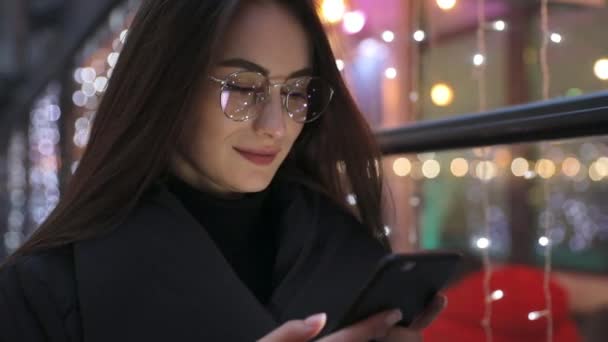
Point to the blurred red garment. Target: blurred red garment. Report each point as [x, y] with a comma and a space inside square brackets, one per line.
[522, 294]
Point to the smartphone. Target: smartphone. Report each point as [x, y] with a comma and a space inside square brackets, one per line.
[405, 281]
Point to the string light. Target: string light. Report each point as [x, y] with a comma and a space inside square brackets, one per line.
[44, 137]
[16, 187]
[390, 73]
[556, 38]
[519, 167]
[499, 25]
[446, 5]
[571, 167]
[486, 170]
[530, 175]
[600, 68]
[123, 35]
[482, 243]
[332, 11]
[602, 165]
[549, 168]
[497, 295]
[388, 36]
[543, 241]
[442, 95]
[88, 75]
[545, 168]
[340, 64]
[431, 169]
[596, 172]
[353, 22]
[100, 84]
[113, 59]
[459, 167]
[478, 59]
[402, 167]
[419, 35]
[533, 316]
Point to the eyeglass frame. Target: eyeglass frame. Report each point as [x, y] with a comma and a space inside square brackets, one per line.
[224, 82]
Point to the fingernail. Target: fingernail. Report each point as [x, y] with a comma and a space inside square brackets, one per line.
[394, 317]
[316, 320]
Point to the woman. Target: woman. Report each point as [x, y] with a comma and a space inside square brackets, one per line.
[208, 204]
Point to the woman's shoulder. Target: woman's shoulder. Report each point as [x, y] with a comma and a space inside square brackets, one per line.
[43, 277]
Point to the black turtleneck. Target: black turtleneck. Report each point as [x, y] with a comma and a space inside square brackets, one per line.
[242, 228]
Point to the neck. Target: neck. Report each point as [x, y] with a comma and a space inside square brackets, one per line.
[188, 173]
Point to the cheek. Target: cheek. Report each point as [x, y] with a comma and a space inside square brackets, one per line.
[294, 130]
[206, 131]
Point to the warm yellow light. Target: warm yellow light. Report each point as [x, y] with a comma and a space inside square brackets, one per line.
[459, 167]
[601, 69]
[545, 168]
[402, 167]
[486, 170]
[442, 94]
[599, 169]
[519, 167]
[602, 166]
[431, 169]
[595, 173]
[332, 11]
[446, 5]
[571, 167]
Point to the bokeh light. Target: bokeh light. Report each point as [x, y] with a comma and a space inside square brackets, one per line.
[402, 167]
[459, 167]
[431, 169]
[520, 167]
[388, 36]
[442, 95]
[353, 22]
[446, 5]
[600, 69]
[332, 11]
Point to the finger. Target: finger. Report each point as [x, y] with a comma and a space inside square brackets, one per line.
[374, 327]
[400, 334]
[428, 316]
[297, 330]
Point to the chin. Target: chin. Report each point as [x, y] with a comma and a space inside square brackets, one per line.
[252, 183]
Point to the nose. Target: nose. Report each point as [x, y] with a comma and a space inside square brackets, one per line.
[271, 121]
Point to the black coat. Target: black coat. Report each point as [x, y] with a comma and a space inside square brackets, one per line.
[159, 277]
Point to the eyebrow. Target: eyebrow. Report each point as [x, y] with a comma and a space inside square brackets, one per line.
[251, 66]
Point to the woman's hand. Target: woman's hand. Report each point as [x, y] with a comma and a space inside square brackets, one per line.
[373, 328]
[412, 333]
[379, 327]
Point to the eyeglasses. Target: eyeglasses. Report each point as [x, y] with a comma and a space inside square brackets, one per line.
[243, 94]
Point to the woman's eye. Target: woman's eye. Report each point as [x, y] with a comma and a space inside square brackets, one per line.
[242, 88]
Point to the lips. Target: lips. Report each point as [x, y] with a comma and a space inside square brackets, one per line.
[258, 157]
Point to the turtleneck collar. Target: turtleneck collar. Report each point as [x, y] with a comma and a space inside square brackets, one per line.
[243, 228]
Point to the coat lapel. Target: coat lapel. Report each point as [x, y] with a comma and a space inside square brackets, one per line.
[160, 277]
[335, 258]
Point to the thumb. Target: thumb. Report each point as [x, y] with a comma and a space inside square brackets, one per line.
[297, 330]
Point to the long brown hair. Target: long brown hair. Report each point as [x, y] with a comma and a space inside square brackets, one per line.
[170, 46]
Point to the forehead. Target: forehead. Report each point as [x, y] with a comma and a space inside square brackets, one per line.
[267, 34]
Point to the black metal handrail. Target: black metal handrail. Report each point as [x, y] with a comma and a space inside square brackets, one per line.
[565, 118]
